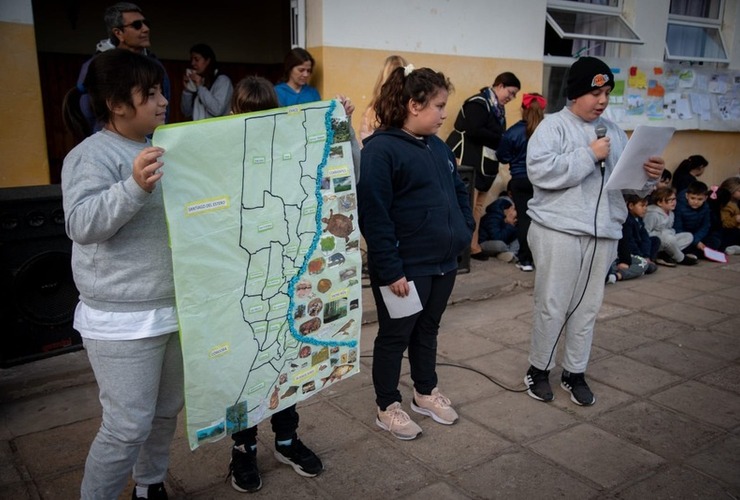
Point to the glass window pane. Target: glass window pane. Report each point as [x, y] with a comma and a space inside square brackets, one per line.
[592, 26]
[705, 9]
[608, 3]
[694, 42]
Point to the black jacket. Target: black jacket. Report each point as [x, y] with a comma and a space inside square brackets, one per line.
[480, 122]
[414, 210]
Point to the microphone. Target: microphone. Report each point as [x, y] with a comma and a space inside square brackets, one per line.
[600, 130]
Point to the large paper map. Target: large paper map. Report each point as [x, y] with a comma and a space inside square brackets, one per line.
[262, 217]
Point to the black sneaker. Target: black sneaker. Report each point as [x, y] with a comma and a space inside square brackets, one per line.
[575, 384]
[689, 259]
[154, 492]
[538, 384]
[297, 455]
[245, 476]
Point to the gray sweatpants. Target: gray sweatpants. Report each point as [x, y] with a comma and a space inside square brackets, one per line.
[563, 262]
[672, 243]
[141, 391]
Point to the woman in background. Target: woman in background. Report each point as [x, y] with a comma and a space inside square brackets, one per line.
[369, 118]
[478, 129]
[207, 94]
[297, 70]
[513, 150]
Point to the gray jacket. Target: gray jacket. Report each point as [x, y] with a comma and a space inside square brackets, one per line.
[121, 259]
[567, 180]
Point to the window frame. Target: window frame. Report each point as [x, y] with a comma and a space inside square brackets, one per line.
[614, 12]
[707, 23]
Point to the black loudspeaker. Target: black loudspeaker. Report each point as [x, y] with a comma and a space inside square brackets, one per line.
[37, 293]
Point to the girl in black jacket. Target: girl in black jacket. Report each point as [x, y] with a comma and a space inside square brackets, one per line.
[415, 216]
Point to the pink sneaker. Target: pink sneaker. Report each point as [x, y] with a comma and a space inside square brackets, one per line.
[436, 406]
[397, 422]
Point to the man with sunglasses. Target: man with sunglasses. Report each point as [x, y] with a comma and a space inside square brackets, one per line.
[127, 29]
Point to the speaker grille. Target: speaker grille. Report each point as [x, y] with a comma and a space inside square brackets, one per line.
[45, 291]
[37, 292]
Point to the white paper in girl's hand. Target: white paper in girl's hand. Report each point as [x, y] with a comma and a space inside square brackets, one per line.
[401, 307]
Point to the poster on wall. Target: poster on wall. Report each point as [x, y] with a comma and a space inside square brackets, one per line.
[685, 97]
[262, 214]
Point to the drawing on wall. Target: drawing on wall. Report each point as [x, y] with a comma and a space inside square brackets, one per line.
[261, 250]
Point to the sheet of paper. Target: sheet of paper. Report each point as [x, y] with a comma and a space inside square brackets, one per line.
[489, 153]
[646, 141]
[401, 307]
[715, 255]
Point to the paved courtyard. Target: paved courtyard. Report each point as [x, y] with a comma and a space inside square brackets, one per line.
[665, 369]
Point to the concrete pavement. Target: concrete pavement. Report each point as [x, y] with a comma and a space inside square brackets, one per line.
[665, 369]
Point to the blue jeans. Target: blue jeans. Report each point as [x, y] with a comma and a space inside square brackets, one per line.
[418, 333]
[141, 391]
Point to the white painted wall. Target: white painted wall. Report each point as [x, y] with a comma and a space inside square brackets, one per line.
[16, 11]
[649, 20]
[512, 29]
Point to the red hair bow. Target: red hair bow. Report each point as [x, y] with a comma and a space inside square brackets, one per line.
[528, 98]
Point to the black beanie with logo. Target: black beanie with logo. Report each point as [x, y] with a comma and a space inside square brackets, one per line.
[587, 74]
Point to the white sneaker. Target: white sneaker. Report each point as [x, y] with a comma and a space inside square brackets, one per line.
[397, 422]
[733, 250]
[527, 267]
[434, 405]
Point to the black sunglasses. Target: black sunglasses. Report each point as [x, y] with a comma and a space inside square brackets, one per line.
[137, 25]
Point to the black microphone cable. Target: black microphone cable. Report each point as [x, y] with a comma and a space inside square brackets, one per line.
[599, 129]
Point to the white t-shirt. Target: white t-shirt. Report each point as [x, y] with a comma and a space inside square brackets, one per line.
[106, 325]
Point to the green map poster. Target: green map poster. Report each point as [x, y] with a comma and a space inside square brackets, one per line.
[262, 215]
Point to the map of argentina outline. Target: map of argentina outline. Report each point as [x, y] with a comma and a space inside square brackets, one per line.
[268, 197]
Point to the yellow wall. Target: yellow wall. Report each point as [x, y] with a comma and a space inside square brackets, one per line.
[23, 156]
[353, 72]
[721, 149]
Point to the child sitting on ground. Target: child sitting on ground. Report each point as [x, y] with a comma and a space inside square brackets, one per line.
[497, 234]
[692, 216]
[636, 250]
[728, 196]
[659, 222]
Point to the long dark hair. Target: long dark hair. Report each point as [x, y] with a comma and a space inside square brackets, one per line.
[206, 52]
[420, 86]
[689, 164]
[111, 79]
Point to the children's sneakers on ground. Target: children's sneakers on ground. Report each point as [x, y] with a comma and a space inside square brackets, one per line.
[689, 259]
[665, 260]
[732, 250]
[434, 405]
[575, 384]
[397, 422]
[154, 492]
[538, 384]
[245, 476]
[297, 455]
[525, 266]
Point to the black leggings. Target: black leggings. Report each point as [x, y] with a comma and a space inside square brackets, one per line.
[418, 333]
[284, 424]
